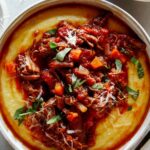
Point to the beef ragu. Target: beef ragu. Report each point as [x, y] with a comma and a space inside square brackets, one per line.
[72, 79]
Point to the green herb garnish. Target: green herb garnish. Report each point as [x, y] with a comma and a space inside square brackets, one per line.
[134, 60]
[139, 68]
[105, 78]
[53, 45]
[124, 51]
[17, 115]
[134, 94]
[73, 78]
[54, 119]
[97, 86]
[37, 103]
[118, 65]
[22, 112]
[52, 32]
[61, 55]
[129, 108]
[76, 82]
[70, 88]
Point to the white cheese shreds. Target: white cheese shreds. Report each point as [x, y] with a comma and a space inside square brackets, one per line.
[65, 139]
[62, 125]
[73, 131]
[104, 98]
[50, 137]
[112, 86]
[71, 37]
[40, 93]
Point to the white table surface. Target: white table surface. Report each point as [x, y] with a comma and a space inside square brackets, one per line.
[140, 10]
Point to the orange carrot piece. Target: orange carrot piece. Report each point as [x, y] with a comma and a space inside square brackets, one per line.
[72, 116]
[59, 89]
[10, 68]
[75, 54]
[96, 63]
[115, 54]
[69, 138]
[81, 107]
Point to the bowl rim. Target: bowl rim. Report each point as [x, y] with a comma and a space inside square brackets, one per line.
[5, 16]
[32, 9]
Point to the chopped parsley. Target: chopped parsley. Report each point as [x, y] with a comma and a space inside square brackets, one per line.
[129, 108]
[70, 88]
[60, 56]
[97, 86]
[22, 112]
[139, 68]
[134, 60]
[17, 115]
[53, 45]
[134, 94]
[54, 119]
[52, 32]
[76, 82]
[124, 51]
[73, 78]
[118, 65]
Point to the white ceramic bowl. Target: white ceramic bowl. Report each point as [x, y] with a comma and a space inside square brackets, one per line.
[120, 13]
[4, 15]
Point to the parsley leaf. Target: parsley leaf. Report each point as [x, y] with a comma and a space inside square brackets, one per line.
[52, 32]
[76, 82]
[60, 56]
[97, 86]
[73, 78]
[53, 45]
[54, 119]
[134, 60]
[134, 94]
[118, 65]
[124, 51]
[29, 111]
[17, 115]
[129, 108]
[139, 68]
[21, 112]
[70, 88]
[37, 103]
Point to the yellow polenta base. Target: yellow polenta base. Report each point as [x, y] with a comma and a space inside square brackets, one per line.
[116, 127]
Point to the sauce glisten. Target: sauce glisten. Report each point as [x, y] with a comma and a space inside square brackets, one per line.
[77, 81]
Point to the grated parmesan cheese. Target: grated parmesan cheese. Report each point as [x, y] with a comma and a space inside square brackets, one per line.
[73, 131]
[71, 37]
[105, 97]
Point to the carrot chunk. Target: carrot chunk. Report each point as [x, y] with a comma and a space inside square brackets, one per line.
[96, 63]
[72, 116]
[59, 89]
[10, 68]
[115, 54]
[75, 54]
[81, 107]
